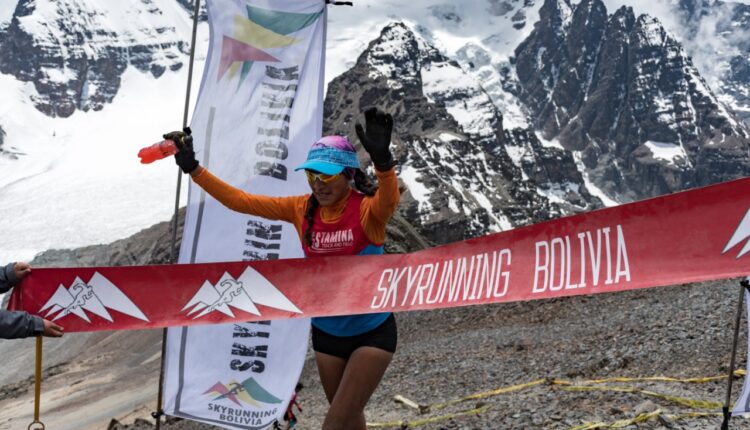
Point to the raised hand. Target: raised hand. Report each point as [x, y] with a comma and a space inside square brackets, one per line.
[376, 138]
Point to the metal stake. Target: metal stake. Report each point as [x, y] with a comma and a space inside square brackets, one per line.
[730, 378]
[172, 257]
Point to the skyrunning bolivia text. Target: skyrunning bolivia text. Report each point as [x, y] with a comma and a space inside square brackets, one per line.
[588, 258]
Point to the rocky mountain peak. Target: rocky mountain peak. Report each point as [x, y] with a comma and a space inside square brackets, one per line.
[590, 21]
[649, 32]
[623, 95]
[75, 53]
[398, 54]
[465, 174]
[715, 34]
[555, 14]
[622, 20]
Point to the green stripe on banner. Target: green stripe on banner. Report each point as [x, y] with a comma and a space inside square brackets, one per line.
[246, 66]
[281, 22]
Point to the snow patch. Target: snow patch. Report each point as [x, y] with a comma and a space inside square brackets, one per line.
[58, 75]
[7, 7]
[448, 137]
[516, 154]
[672, 153]
[554, 143]
[557, 193]
[476, 114]
[417, 189]
[77, 182]
[501, 223]
[593, 189]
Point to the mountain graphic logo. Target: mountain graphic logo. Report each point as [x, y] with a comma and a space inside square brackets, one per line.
[260, 30]
[742, 233]
[249, 392]
[243, 293]
[95, 296]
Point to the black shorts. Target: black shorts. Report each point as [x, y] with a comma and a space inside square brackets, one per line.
[384, 336]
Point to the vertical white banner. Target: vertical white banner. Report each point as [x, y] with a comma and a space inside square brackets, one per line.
[259, 109]
[742, 406]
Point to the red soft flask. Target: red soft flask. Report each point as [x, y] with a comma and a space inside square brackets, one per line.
[157, 151]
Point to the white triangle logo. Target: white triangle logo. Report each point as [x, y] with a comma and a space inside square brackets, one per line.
[742, 233]
[243, 293]
[95, 296]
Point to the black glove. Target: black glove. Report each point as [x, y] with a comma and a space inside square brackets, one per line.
[377, 138]
[185, 157]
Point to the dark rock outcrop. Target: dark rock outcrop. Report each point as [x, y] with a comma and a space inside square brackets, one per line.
[621, 92]
[74, 56]
[189, 6]
[449, 141]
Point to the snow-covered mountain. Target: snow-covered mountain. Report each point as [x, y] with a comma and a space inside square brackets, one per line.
[622, 93]
[621, 108]
[85, 84]
[75, 52]
[717, 36]
[466, 175]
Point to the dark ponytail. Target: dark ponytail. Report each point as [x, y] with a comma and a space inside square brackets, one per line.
[312, 204]
[363, 184]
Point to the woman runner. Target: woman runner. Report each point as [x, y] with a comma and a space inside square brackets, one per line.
[351, 352]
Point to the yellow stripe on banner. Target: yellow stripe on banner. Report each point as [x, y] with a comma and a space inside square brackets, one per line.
[233, 69]
[417, 423]
[259, 37]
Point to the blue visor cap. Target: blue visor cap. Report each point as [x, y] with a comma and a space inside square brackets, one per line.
[330, 161]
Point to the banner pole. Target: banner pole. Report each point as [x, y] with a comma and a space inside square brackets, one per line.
[37, 385]
[745, 285]
[172, 257]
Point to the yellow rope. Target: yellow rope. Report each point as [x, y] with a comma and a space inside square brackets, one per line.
[581, 386]
[485, 394]
[417, 423]
[738, 373]
[619, 423]
[642, 418]
[691, 403]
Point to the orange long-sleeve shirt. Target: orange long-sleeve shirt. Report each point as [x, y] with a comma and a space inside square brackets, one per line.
[374, 212]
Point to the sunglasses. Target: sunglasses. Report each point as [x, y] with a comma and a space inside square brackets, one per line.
[322, 177]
